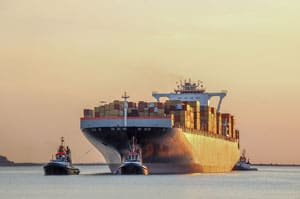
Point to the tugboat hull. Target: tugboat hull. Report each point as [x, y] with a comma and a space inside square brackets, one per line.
[59, 169]
[132, 169]
[243, 167]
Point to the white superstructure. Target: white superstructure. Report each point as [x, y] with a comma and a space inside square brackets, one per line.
[190, 91]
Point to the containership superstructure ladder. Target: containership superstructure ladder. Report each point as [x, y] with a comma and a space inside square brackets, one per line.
[190, 91]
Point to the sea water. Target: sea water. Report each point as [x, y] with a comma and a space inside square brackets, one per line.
[94, 182]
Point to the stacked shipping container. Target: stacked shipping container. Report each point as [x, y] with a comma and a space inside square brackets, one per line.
[88, 113]
[134, 110]
[226, 124]
[219, 124]
[184, 115]
[208, 119]
[196, 112]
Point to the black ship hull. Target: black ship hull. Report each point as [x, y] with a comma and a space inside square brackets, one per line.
[166, 150]
[53, 168]
[132, 169]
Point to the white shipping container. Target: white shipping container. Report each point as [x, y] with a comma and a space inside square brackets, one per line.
[178, 106]
[151, 104]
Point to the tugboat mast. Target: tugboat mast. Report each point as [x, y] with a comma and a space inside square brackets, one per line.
[62, 139]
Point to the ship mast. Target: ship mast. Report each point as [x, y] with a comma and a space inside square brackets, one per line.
[125, 97]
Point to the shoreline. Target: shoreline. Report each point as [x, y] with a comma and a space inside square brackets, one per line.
[105, 164]
[41, 164]
[275, 164]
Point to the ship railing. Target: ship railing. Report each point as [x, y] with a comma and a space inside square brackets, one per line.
[121, 117]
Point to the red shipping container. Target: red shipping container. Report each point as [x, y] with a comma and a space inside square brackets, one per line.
[177, 118]
[225, 115]
[142, 104]
[87, 112]
[131, 105]
[172, 108]
[117, 106]
[160, 105]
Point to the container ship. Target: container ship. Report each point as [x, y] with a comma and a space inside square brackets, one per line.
[183, 134]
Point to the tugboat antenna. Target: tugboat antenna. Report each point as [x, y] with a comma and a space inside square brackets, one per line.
[62, 140]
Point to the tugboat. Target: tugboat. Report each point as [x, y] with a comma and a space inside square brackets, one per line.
[243, 164]
[62, 165]
[133, 162]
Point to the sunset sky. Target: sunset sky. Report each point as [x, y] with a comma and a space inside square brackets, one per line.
[58, 57]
